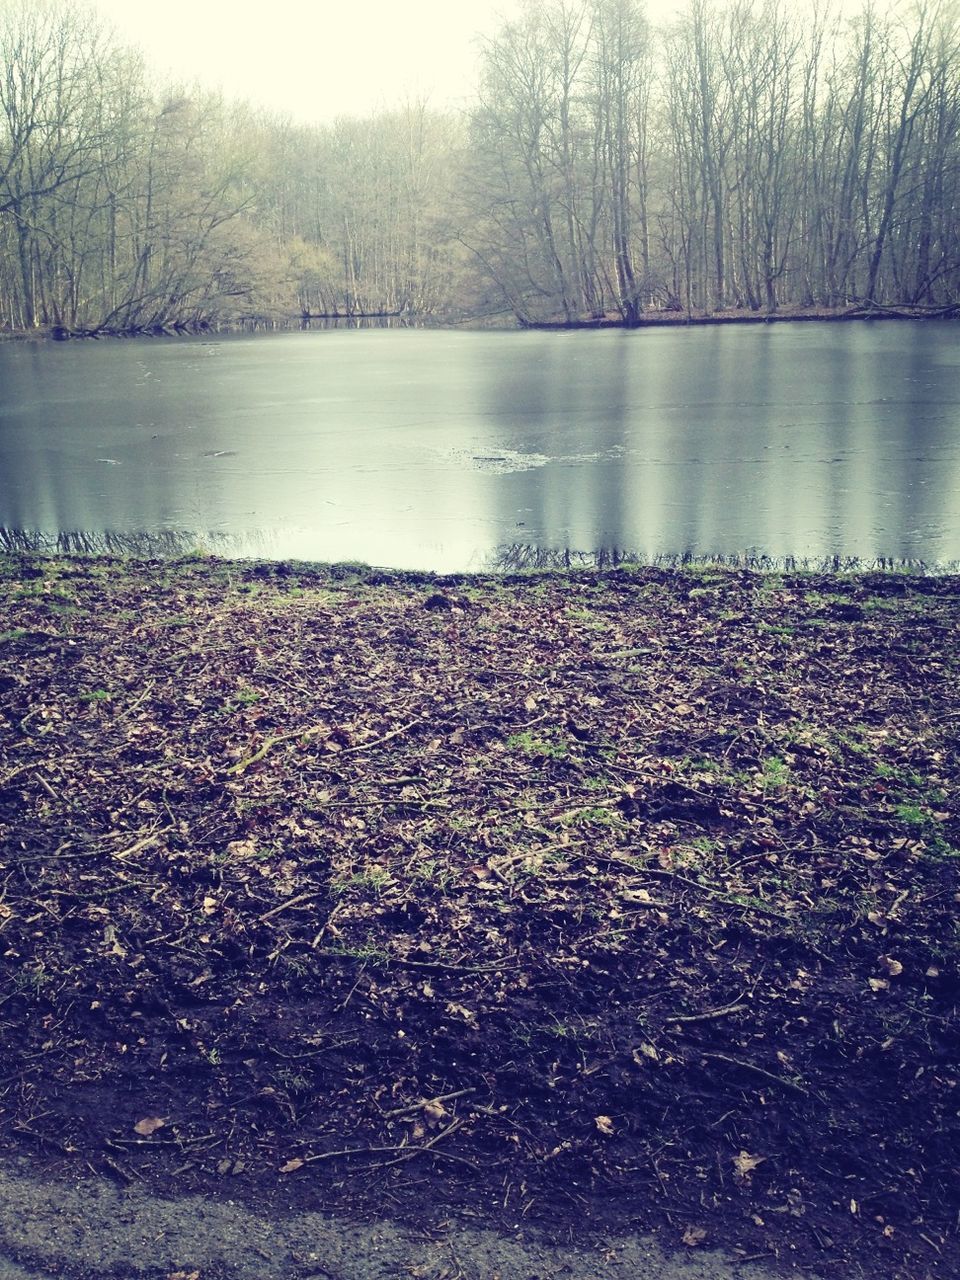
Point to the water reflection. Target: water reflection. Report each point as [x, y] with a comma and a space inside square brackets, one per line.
[813, 445]
[517, 557]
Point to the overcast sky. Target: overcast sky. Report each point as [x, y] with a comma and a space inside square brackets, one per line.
[316, 59]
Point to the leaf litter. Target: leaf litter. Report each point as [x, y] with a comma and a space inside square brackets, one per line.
[569, 892]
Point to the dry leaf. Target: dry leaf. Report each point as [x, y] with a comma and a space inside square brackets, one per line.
[636, 895]
[878, 984]
[744, 1164]
[694, 1236]
[209, 906]
[433, 1113]
[184, 1275]
[459, 1011]
[148, 1126]
[291, 1166]
[893, 967]
[645, 1051]
[242, 848]
[605, 1125]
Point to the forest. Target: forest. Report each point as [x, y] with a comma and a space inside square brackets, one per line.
[749, 156]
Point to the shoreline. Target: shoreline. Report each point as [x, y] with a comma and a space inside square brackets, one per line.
[521, 561]
[649, 320]
[630, 892]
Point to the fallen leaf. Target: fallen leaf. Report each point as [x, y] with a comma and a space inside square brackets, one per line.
[459, 1011]
[645, 1051]
[605, 1125]
[242, 848]
[291, 1166]
[209, 906]
[434, 1112]
[879, 984]
[893, 967]
[744, 1164]
[635, 895]
[694, 1236]
[148, 1126]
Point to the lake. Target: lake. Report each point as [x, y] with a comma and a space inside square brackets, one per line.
[825, 444]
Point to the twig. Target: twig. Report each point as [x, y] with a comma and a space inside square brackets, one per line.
[270, 743]
[285, 906]
[711, 1013]
[343, 1003]
[150, 685]
[347, 1151]
[143, 843]
[123, 1174]
[425, 1102]
[20, 769]
[38, 777]
[436, 965]
[376, 742]
[725, 895]
[759, 1071]
[412, 1152]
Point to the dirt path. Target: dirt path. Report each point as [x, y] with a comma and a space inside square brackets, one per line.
[91, 1229]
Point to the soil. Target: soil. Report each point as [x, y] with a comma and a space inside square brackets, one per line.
[602, 901]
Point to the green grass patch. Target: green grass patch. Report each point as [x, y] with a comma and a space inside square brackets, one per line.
[537, 747]
[95, 695]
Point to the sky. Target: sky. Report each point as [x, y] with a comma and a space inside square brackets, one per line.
[313, 59]
[316, 59]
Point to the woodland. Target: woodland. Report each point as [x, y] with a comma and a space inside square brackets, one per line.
[751, 157]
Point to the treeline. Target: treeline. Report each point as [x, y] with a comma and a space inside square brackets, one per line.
[747, 156]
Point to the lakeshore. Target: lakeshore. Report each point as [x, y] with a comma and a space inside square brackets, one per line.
[627, 895]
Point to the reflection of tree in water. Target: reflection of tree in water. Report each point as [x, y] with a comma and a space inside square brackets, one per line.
[508, 558]
[511, 557]
[79, 542]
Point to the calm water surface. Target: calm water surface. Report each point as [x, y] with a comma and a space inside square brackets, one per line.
[459, 450]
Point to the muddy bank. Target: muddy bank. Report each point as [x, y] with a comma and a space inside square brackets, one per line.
[625, 900]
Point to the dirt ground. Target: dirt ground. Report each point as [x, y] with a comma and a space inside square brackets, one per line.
[591, 903]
